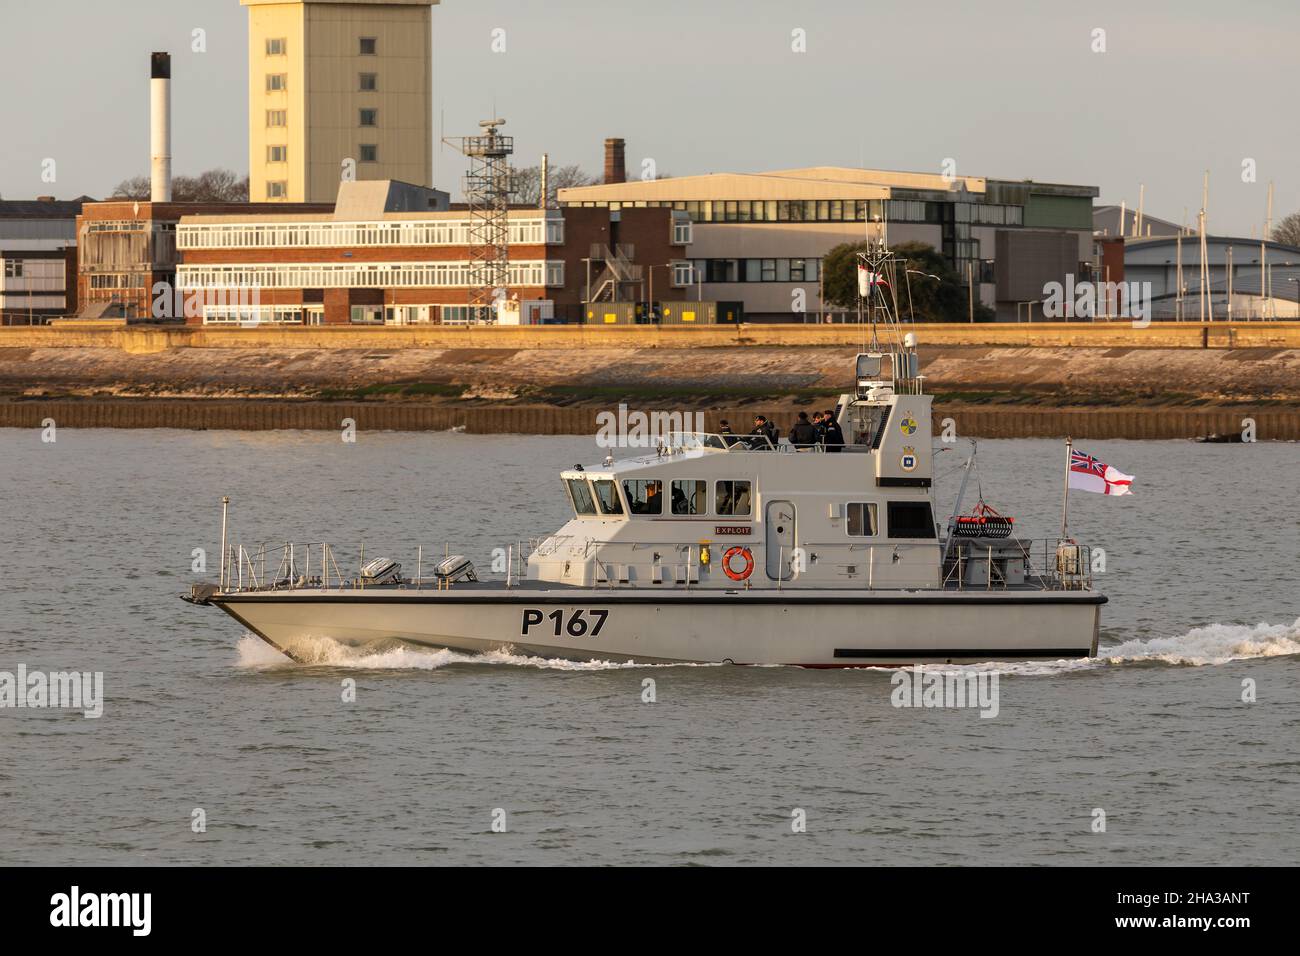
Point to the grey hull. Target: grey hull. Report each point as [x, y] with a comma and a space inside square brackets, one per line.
[809, 628]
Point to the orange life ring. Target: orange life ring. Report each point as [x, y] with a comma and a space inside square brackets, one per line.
[749, 563]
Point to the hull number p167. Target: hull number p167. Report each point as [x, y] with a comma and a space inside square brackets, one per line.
[578, 623]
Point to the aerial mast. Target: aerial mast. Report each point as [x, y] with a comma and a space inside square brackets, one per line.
[487, 186]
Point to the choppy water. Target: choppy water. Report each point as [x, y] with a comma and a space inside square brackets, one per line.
[97, 532]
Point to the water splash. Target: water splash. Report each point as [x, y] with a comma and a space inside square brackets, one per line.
[256, 654]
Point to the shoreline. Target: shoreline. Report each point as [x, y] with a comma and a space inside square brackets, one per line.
[977, 421]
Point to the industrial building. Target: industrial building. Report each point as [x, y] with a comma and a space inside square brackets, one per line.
[1247, 278]
[759, 238]
[38, 258]
[337, 89]
[383, 255]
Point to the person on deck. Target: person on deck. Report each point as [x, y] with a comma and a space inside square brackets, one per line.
[833, 435]
[803, 435]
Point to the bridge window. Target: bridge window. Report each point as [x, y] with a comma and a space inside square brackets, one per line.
[910, 519]
[644, 497]
[861, 519]
[733, 498]
[690, 497]
[607, 495]
[583, 502]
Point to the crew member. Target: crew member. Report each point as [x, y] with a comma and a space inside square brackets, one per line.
[803, 435]
[833, 434]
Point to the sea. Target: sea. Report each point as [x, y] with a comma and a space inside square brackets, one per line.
[1179, 744]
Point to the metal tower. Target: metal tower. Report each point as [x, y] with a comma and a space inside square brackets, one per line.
[487, 186]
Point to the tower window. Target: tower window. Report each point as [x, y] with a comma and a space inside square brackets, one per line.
[369, 82]
[369, 118]
[367, 46]
[277, 154]
[275, 46]
[369, 153]
[277, 82]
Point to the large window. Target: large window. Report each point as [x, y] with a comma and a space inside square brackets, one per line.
[690, 497]
[583, 502]
[644, 497]
[861, 519]
[681, 232]
[733, 498]
[607, 495]
[910, 519]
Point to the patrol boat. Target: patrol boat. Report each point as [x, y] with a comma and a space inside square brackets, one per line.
[722, 548]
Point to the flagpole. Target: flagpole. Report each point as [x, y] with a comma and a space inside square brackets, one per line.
[1065, 497]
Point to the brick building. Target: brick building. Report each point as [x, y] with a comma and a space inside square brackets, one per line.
[126, 247]
[369, 261]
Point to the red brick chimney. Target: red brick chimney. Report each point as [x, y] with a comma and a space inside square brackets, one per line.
[615, 166]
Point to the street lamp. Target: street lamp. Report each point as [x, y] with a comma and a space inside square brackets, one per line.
[650, 305]
[908, 281]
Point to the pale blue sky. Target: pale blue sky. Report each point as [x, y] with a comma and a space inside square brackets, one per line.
[1009, 88]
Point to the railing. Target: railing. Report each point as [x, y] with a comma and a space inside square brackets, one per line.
[245, 568]
[679, 442]
[1064, 565]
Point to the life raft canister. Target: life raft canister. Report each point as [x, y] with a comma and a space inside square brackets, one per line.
[744, 572]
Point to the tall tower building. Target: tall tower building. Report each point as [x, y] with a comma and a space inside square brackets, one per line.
[337, 89]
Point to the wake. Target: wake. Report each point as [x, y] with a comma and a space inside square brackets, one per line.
[1211, 645]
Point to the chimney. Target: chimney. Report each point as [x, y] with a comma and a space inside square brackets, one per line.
[544, 194]
[615, 166]
[160, 127]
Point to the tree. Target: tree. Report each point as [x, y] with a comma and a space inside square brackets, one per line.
[215, 185]
[527, 183]
[941, 300]
[1287, 231]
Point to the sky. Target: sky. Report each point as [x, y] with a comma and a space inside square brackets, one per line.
[1009, 89]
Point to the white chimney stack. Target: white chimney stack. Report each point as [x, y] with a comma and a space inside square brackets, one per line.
[160, 127]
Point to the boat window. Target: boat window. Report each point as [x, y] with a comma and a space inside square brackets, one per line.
[861, 519]
[579, 491]
[644, 497]
[690, 497]
[607, 495]
[910, 519]
[733, 497]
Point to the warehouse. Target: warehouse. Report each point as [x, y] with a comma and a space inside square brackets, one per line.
[758, 238]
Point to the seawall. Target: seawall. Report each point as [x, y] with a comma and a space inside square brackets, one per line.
[143, 339]
[1271, 424]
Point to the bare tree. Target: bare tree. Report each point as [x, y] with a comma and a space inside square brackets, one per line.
[528, 183]
[215, 185]
[137, 187]
[1287, 231]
